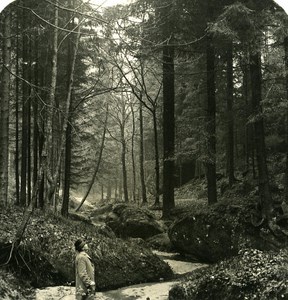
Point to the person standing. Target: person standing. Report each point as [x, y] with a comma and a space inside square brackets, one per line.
[84, 269]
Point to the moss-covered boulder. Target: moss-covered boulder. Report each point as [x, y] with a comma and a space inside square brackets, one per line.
[252, 274]
[205, 236]
[130, 221]
[216, 232]
[100, 213]
[160, 242]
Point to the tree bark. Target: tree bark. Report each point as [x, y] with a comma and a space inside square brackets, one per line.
[124, 168]
[4, 142]
[30, 75]
[67, 170]
[249, 129]
[17, 91]
[259, 136]
[211, 122]
[247, 97]
[41, 196]
[141, 156]
[68, 140]
[35, 119]
[25, 121]
[133, 155]
[157, 163]
[230, 114]
[50, 170]
[168, 130]
[286, 83]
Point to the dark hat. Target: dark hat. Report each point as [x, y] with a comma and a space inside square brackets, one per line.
[79, 244]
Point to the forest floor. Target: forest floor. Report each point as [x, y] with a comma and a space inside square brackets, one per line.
[14, 285]
[191, 195]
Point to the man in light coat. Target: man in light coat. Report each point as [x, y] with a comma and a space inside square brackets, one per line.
[84, 268]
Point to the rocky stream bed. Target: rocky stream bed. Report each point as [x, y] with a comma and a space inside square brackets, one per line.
[153, 290]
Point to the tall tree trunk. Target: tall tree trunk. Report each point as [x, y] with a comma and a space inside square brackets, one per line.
[124, 168]
[168, 112]
[157, 163]
[120, 187]
[141, 156]
[30, 75]
[286, 82]
[230, 114]
[245, 92]
[68, 140]
[259, 136]
[25, 115]
[35, 119]
[133, 156]
[17, 91]
[49, 172]
[249, 130]
[67, 169]
[41, 196]
[4, 137]
[211, 122]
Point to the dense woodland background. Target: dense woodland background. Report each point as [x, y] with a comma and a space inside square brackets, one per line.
[129, 102]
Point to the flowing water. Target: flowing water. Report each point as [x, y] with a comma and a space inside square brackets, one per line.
[146, 291]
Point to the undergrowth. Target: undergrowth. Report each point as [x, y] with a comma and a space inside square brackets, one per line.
[252, 274]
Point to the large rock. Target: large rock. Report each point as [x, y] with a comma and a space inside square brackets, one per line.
[205, 239]
[129, 221]
[99, 214]
[220, 231]
[160, 242]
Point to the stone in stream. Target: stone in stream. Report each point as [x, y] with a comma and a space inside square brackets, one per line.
[135, 222]
[220, 231]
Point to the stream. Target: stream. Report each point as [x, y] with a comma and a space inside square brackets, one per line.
[145, 291]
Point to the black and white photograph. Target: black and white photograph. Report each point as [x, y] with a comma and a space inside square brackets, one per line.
[144, 150]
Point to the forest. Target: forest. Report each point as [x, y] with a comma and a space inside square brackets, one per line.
[176, 108]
